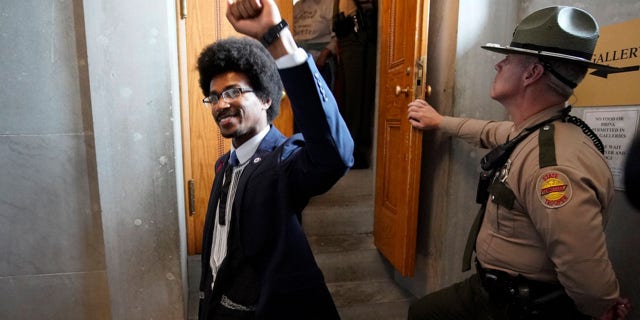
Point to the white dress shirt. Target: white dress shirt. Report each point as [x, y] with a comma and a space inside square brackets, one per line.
[221, 232]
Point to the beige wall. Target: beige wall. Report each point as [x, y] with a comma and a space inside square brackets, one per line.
[89, 216]
[450, 167]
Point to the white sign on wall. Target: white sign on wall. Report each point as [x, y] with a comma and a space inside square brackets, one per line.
[616, 127]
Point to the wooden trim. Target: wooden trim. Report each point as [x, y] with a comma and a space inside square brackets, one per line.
[441, 76]
[184, 121]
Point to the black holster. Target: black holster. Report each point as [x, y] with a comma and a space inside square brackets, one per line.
[528, 299]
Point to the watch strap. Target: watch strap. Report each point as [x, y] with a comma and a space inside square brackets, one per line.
[274, 33]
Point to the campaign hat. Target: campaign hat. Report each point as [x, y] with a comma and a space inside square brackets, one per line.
[562, 33]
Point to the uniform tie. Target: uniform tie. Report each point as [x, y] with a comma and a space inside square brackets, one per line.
[224, 192]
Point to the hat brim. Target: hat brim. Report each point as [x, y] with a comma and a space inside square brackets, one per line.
[541, 53]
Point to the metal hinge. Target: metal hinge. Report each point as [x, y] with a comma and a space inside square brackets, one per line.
[183, 9]
[192, 197]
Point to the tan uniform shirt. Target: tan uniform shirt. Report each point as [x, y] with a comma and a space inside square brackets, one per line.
[555, 229]
[348, 7]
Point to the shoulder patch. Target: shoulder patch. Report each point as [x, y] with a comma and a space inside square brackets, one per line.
[554, 189]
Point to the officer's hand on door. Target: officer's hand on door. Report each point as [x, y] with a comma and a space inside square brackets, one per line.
[423, 116]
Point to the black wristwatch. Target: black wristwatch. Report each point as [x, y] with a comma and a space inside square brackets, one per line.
[273, 33]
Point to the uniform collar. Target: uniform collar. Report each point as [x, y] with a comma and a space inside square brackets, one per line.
[539, 117]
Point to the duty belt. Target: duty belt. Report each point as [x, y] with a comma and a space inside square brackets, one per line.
[518, 289]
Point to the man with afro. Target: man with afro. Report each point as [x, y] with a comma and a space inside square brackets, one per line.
[256, 261]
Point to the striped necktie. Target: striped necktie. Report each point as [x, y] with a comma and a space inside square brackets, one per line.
[224, 192]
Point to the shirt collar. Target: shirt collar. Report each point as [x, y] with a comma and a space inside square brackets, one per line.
[539, 117]
[247, 149]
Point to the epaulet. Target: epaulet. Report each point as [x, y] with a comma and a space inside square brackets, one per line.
[547, 146]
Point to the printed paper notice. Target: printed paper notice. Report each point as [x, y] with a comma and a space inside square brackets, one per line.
[616, 128]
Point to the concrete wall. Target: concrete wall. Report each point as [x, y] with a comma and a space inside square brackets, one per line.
[89, 219]
[451, 167]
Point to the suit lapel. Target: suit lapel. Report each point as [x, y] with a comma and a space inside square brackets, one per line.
[217, 181]
[270, 142]
[210, 220]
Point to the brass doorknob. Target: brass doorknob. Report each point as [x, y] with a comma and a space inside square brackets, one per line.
[427, 92]
[400, 90]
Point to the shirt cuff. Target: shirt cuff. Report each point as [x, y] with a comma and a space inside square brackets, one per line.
[293, 59]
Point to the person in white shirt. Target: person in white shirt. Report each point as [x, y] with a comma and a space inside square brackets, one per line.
[312, 31]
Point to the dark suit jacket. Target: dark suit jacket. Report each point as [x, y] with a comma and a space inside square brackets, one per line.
[273, 190]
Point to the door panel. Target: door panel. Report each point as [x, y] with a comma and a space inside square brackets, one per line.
[399, 146]
[205, 23]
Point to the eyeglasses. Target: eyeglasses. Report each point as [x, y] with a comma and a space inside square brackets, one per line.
[227, 95]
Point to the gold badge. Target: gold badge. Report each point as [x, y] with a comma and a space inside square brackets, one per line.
[554, 189]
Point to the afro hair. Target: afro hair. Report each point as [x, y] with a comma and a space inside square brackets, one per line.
[249, 57]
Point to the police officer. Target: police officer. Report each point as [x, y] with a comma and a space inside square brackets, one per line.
[546, 189]
[356, 30]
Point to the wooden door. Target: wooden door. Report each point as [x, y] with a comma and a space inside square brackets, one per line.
[200, 23]
[402, 34]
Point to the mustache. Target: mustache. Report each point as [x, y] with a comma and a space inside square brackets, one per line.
[227, 112]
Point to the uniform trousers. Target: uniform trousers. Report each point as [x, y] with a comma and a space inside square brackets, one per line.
[469, 300]
[358, 57]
